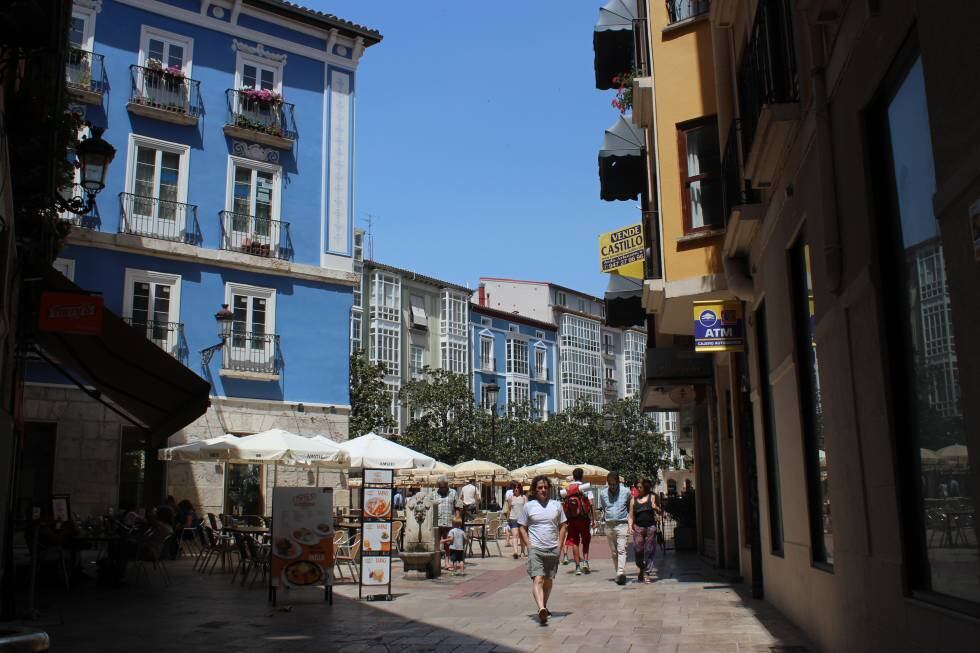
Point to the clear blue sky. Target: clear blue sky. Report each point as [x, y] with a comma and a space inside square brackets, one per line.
[478, 128]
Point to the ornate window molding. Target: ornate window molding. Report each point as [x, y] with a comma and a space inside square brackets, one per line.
[255, 151]
[258, 51]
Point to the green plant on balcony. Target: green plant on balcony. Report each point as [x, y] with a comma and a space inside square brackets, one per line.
[255, 125]
[624, 91]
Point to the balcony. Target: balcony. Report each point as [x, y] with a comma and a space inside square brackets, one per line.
[162, 219]
[85, 75]
[740, 202]
[269, 122]
[679, 11]
[609, 387]
[163, 95]
[91, 220]
[257, 236]
[168, 336]
[768, 88]
[254, 356]
[613, 42]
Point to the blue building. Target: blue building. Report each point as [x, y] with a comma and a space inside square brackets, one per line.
[232, 185]
[518, 355]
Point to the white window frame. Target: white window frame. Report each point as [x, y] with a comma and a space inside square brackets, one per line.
[485, 398]
[416, 369]
[242, 58]
[485, 364]
[420, 317]
[378, 308]
[539, 367]
[147, 32]
[133, 276]
[257, 166]
[183, 151]
[561, 298]
[65, 266]
[520, 366]
[541, 406]
[268, 294]
[378, 333]
[88, 15]
[356, 326]
[518, 392]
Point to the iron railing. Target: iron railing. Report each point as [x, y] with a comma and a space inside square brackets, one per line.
[252, 352]
[767, 73]
[159, 218]
[275, 118]
[735, 190]
[250, 234]
[678, 10]
[91, 220]
[85, 71]
[153, 87]
[169, 336]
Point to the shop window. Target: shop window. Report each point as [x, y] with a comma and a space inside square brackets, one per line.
[243, 490]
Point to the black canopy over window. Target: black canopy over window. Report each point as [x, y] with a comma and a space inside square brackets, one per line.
[613, 42]
[622, 165]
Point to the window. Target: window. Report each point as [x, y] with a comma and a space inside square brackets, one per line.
[634, 350]
[540, 363]
[386, 298]
[453, 326]
[518, 395]
[539, 335]
[541, 406]
[243, 490]
[258, 73]
[419, 317]
[581, 305]
[561, 299]
[151, 303]
[253, 204]
[156, 188]
[453, 356]
[81, 69]
[513, 328]
[932, 438]
[416, 361]
[485, 321]
[610, 375]
[65, 266]
[355, 331]
[166, 48]
[700, 174]
[517, 357]
[580, 362]
[486, 353]
[386, 347]
[769, 434]
[394, 405]
[453, 319]
[485, 402]
[608, 348]
[252, 346]
[811, 407]
[580, 333]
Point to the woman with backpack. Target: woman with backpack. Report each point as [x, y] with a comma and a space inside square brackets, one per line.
[643, 526]
[581, 519]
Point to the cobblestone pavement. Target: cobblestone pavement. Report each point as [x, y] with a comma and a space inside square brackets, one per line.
[688, 609]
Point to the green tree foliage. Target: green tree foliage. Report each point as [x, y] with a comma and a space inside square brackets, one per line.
[370, 404]
[445, 422]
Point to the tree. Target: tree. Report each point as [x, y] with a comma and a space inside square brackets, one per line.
[630, 443]
[370, 402]
[445, 422]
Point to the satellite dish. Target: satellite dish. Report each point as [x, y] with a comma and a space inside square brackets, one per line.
[682, 395]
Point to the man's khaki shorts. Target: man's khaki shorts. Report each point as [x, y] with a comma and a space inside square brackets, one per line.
[542, 562]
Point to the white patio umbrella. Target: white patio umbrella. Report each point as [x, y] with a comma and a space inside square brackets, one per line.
[477, 469]
[190, 451]
[371, 451]
[551, 468]
[956, 455]
[276, 446]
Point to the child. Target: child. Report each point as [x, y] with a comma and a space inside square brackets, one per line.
[456, 539]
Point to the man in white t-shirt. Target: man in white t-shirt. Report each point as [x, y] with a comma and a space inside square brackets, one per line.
[470, 496]
[542, 527]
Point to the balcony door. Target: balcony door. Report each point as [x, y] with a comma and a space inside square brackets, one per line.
[252, 342]
[165, 61]
[157, 188]
[152, 305]
[78, 68]
[253, 226]
[260, 75]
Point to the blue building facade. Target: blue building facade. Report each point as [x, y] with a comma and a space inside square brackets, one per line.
[232, 185]
[518, 355]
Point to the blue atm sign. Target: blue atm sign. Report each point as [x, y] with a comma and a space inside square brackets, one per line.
[718, 326]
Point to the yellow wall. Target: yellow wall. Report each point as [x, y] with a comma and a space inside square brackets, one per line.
[684, 86]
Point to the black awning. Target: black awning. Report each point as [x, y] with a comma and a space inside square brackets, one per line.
[624, 302]
[622, 164]
[668, 367]
[612, 41]
[147, 383]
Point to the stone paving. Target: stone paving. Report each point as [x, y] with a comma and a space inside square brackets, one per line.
[688, 609]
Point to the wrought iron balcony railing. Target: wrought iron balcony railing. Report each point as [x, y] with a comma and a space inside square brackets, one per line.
[736, 191]
[250, 234]
[270, 117]
[85, 72]
[91, 220]
[169, 336]
[167, 91]
[767, 73]
[159, 218]
[678, 10]
[252, 352]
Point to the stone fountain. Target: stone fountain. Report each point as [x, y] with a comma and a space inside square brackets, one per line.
[421, 548]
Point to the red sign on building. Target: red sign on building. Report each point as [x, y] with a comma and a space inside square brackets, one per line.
[65, 312]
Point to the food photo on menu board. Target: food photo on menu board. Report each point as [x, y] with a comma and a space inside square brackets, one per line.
[302, 537]
[375, 570]
[378, 476]
[377, 503]
[377, 537]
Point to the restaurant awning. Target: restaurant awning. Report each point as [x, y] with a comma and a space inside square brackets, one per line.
[612, 41]
[624, 302]
[121, 363]
[622, 165]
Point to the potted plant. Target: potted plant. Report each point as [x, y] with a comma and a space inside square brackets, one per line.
[684, 511]
[260, 97]
[624, 91]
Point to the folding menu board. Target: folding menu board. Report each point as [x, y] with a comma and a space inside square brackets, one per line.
[376, 518]
[302, 540]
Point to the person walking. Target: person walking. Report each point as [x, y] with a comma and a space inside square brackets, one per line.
[643, 526]
[514, 505]
[542, 527]
[578, 511]
[614, 503]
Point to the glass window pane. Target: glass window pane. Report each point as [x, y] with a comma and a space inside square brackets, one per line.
[268, 80]
[242, 200]
[175, 56]
[169, 176]
[948, 497]
[145, 177]
[161, 310]
[76, 32]
[141, 303]
[249, 76]
[239, 325]
[155, 50]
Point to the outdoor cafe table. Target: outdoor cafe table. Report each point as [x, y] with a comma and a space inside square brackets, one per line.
[483, 534]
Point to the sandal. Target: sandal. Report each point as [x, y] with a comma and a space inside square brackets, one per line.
[543, 616]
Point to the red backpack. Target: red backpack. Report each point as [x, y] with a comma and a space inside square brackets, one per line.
[578, 506]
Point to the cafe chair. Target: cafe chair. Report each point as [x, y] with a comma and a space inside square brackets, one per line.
[153, 549]
[493, 535]
[396, 531]
[348, 560]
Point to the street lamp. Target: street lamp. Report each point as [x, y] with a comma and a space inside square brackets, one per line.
[94, 156]
[225, 319]
[492, 390]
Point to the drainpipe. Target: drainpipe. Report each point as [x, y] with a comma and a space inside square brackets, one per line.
[832, 250]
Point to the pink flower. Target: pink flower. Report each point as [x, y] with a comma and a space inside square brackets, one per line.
[615, 80]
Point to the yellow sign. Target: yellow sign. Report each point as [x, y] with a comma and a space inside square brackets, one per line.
[718, 326]
[622, 251]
